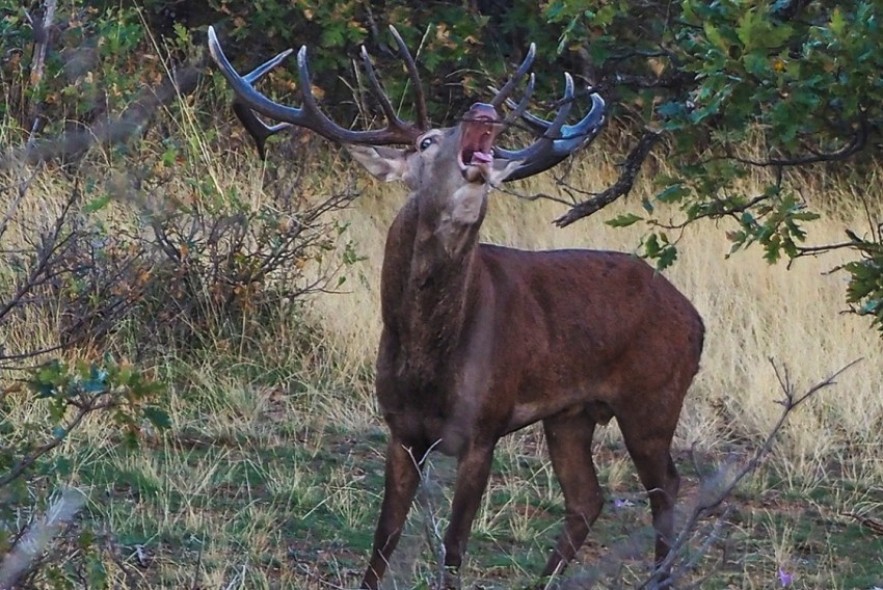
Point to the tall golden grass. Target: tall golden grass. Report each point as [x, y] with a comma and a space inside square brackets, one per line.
[754, 312]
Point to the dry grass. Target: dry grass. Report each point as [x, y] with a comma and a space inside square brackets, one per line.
[274, 483]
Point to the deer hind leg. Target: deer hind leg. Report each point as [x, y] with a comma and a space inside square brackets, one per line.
[569, 438]
[402, 479]
[649, 443]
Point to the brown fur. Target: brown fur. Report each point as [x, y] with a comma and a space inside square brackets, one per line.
[480, 340]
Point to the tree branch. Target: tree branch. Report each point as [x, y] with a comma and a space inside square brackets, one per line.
[623, 185]
[110, 131]
[41, 44]
[53, 442]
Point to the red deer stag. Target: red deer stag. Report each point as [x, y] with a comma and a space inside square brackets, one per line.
[479, 340]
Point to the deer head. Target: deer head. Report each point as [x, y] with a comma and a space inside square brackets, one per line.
[472, 139]
[451, 169]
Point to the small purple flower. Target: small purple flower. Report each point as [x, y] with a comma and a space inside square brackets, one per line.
[786, 578]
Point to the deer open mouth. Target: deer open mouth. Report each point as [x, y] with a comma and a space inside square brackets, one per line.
[479, 129]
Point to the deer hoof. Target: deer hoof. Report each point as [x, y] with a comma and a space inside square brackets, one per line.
[450, 578]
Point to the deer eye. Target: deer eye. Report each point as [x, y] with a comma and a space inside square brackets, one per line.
[425, 143]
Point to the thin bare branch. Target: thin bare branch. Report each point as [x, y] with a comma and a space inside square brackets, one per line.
[41, 45]
[715, 492]
[23, 185]
[60, 434]
[33, 544]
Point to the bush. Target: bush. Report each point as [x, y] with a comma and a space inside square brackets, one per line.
[119, 245]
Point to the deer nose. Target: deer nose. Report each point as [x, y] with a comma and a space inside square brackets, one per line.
[482, 111]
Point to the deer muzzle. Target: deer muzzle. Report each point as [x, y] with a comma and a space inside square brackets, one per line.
[478, 130]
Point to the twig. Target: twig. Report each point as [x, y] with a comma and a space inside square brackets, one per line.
[534, 196]
[23, 185]
[873, 524]
[33, 543]
[194, 585]
[84, 408]
[709, 498]
[433, 532]
[51, 243]
[238, 580]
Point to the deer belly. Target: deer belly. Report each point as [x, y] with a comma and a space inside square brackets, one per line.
[579, 400]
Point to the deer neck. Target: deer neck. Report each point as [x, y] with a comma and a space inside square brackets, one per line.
[431, 278]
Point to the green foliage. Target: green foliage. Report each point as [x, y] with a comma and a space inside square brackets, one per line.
[96, 63]
[735, 86]
[106, 51]
[866, 285]
[658, 247]
[62, 395]
[624, 220]
[89, 386]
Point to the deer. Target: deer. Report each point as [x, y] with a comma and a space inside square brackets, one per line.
[480, 340]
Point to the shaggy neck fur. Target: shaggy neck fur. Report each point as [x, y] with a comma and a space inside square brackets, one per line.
[428, 272]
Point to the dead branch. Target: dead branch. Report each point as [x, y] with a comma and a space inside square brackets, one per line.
[41, 45]
[721, 486]
[623, 185]
[23, 555]
[114, 130]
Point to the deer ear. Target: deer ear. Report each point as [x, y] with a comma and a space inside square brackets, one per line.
[501, 170]
[385, 163]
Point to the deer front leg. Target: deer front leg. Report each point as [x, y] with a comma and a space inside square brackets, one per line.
[402, 477]
[472, 474]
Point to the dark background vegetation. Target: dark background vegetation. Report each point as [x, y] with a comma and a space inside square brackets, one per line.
[716, 89]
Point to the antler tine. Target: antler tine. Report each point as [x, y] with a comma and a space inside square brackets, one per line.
[567, 103]
[259, 72]
[536, 124]
[309, 116]
[311, 106]
[504, 92]
[550, 133]
[411, 65]
[258, 130]
[385, 104]
[558, 140]
[520, 110]
[539, 125]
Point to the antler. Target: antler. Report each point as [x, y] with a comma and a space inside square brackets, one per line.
[258, 130]
[557, 140]
[249, 101]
